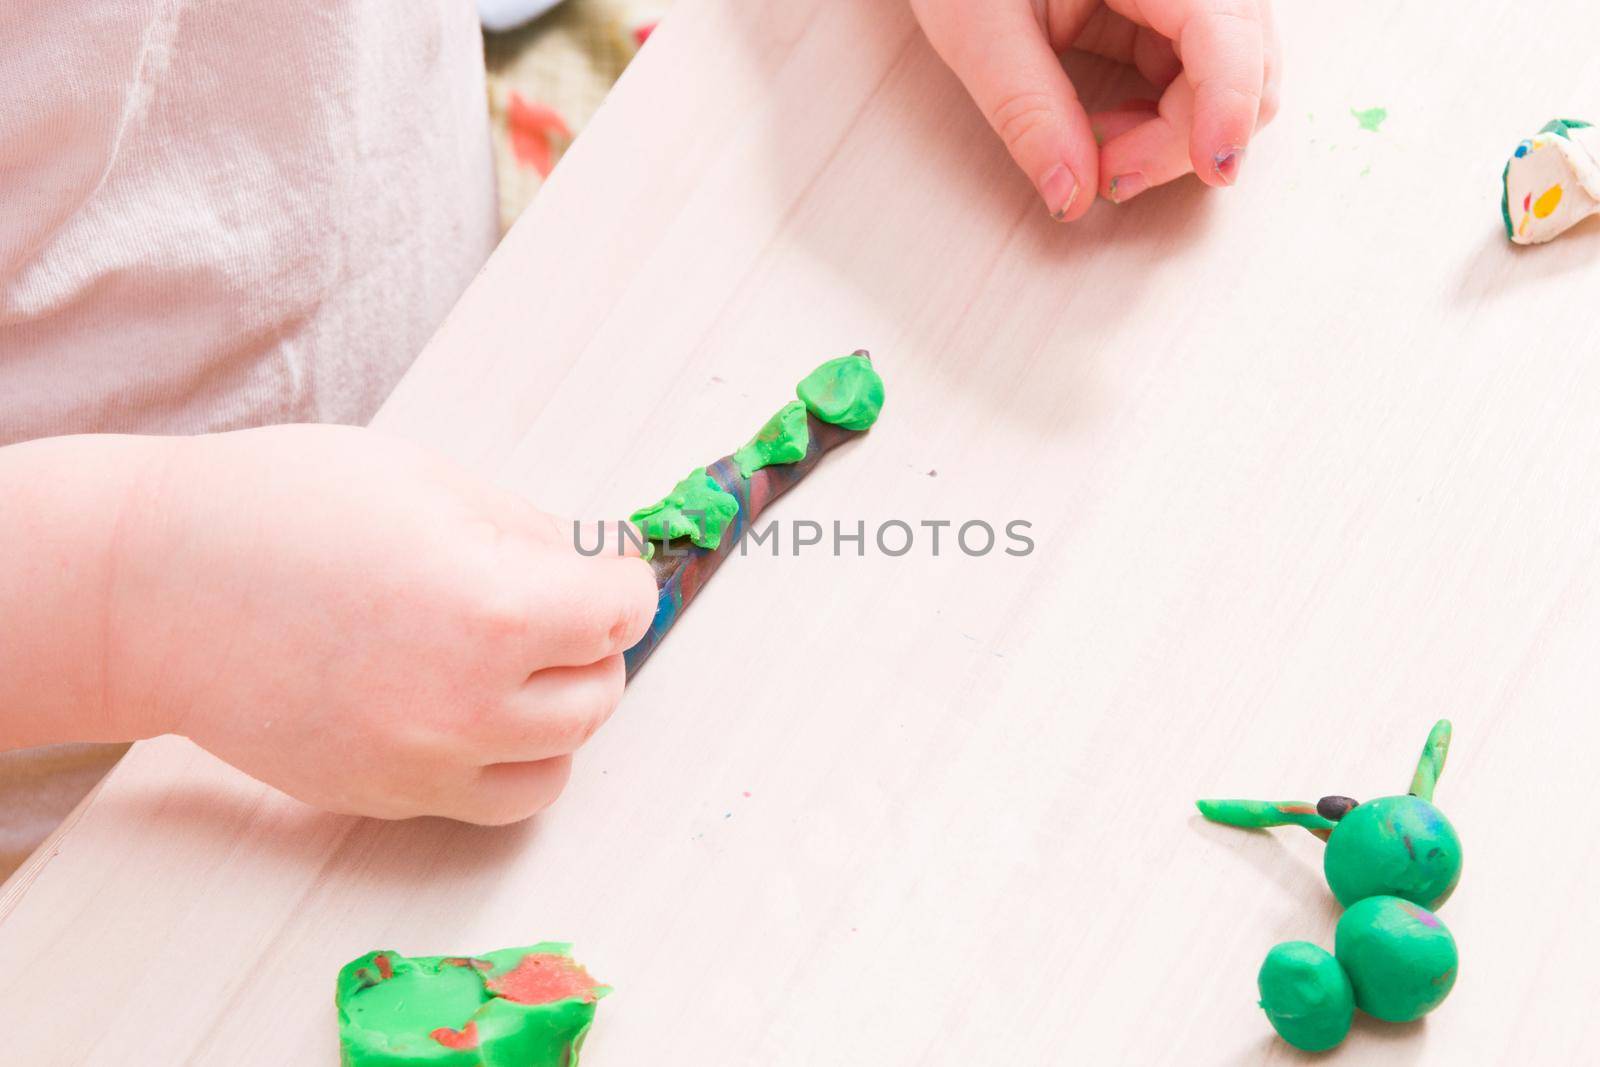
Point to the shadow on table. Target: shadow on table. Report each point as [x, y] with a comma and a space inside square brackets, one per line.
[258, 823]
[1393, 1044]
[1500, 269]
[1265, 851]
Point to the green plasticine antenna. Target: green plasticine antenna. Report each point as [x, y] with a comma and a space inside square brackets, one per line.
[1262, 814]
[1400, 846]
[1431, 763]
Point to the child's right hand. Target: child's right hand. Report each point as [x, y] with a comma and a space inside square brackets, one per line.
[363, 625]
[1214, 64]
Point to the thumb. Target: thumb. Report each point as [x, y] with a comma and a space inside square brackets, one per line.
[1001, 53]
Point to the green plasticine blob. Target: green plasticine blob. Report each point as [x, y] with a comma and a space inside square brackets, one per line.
[1393, 846]
[529, 1006]
[1306, 995]
[784, 439]
[1400, 958]
[1259, 814]
[1505, 201]
[845, 391]
[1559, 127]
[1371, 118]
[697, 508]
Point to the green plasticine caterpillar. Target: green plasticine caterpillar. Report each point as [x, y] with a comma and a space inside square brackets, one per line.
[1390, 862]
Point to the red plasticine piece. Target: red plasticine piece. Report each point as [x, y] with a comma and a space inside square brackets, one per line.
[466, 1037]
[544, 979]
[385, 968]
[466, 961]
[532, 127]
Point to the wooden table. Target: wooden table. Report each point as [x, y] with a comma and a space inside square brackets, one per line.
[1308, 463]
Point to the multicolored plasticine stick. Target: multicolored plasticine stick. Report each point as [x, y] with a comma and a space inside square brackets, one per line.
[1551, 182]
[526, 1006]
[1259, 814]
[696, 526]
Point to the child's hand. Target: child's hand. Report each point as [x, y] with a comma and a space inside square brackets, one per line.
[1216, 62]
[364, 626]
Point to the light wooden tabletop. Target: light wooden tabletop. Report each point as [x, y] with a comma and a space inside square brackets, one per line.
[1308, 463]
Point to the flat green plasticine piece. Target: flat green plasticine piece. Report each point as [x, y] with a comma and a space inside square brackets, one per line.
[530, 1007]
[1259, 814]
[1306, 995]
[1401, 958]
[845, 391]
[697, 508]
[784, 439]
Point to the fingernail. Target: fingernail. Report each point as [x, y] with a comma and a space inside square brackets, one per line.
[1059, 189]
[1226, 163]
[1125, 187]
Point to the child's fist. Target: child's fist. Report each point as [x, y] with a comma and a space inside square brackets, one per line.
[364, 626]
[1213, 62]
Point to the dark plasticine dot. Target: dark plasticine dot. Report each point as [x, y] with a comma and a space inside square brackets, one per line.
[1335, 808]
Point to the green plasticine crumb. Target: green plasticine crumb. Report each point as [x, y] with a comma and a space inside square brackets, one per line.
[783, 439]
[697, 508]
[845, 391]
[1371, 118]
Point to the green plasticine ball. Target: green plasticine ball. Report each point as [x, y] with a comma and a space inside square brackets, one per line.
[1306, 995]
[845, 391]
[1393, 846]
[1400, 958]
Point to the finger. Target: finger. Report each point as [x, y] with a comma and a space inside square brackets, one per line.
[1119, 38]
[605, 538]
[554, 713]
[1151, 153]
[582, 610]
[999, 51]
[1272, 66]
[505, 793]
[1109, 125]
[1154, 58]
[1222, 45]
[1108, 34]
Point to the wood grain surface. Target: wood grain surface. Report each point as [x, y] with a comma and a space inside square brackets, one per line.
[1308, 463]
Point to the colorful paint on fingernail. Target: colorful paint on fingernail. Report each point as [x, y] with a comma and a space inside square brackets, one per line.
[1125, 187]
[1226, 163]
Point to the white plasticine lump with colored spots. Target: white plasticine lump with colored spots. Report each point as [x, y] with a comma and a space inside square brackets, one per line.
[1551, 182]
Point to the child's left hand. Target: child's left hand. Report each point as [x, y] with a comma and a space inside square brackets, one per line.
[1215, 62]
